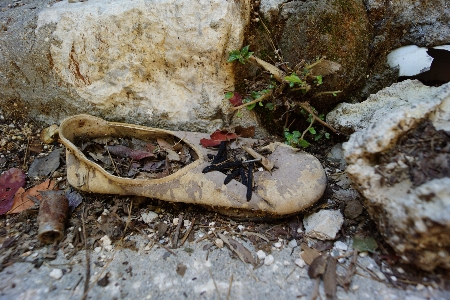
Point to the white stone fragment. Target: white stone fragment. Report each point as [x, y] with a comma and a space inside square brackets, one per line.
[219, 243]
[149, 217]
[286, 263]
[186, 223]
[241, 227]
[324, 224]
[293, 243]
[56, 274]
[105, 241]
[300, 262]
[261, 254]
[411, 60]
[277, 245]
[269, 260]
[338, 245]
[175, 221]
[420, 287]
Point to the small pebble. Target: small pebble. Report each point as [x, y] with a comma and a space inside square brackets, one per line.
[219, 243]
[97, 249]
[277, 245]
[400, 270]
[175, 221]
[355, 287]
[286, 263]
[299, 230]
[261, 255]
[420, 287]
[340, 246]
[241, 227]
[293, 243]
[269, 260]
[186, 223]
[56, 273]
[149, 217]
[300, 262]
[393, 278]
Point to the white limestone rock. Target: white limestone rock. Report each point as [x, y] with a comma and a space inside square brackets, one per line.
[324, 224]
[147, 62]
[415, 221]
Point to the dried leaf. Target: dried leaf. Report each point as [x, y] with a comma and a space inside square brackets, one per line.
[181, 269]
[364, 244]
[242, 252]
[236, 99]
[317, 267]
[329, 278]
[74, 198]
[154, 166]
[209, 143]
[223, 135]
[126, 152]
[164, 144]
[22, 199]
[351, 271]
[309, 254]
[44, 166]
[247, 132]
[325, 67]
[10, 182]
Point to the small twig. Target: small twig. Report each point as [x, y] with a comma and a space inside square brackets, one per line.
[290, 273]
[26, 153]
[167, 248]
[247, 233]
[309, 67]
[229, 287]
[327, 93]
[264, 161]
[215, 285]
[259, 99]
[307, 129]
[188, 231]
[302, 88]
[177, 232]
[88, 258]
[112, 161]
[307, 107]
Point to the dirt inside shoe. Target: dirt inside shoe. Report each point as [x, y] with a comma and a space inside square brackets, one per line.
[125, 159]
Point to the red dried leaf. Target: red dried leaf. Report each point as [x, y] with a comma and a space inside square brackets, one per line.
[140, 154]
[10, 182]
[217, 137]
[223, 135]
[209, 143]
[23, 202]
[236, 100]
[248, 132]
[125, 152]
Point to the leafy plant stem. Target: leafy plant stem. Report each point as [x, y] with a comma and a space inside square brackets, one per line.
[307, 129]
[327, 93]
[307, 107]
[263, 97]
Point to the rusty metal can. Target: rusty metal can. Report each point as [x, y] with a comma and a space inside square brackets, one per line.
[52, 216]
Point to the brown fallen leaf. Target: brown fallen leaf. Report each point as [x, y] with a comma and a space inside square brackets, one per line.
[351, 271]
[317, 267]
[309, 254]
[181, 269]
[243, 253]
[22, 200]
[329, 278]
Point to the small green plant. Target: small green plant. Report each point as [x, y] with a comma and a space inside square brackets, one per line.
[318, 80]
[294, 139]
[240, 55]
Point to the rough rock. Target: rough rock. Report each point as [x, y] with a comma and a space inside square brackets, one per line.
[324, 224]
[271, 8]
[413, 217]
[413, 95]
[158, 63]
[314, 29]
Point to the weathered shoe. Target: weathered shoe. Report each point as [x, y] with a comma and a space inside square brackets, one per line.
[297, 181]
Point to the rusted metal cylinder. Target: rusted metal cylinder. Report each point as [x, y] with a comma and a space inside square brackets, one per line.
[52, 216]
